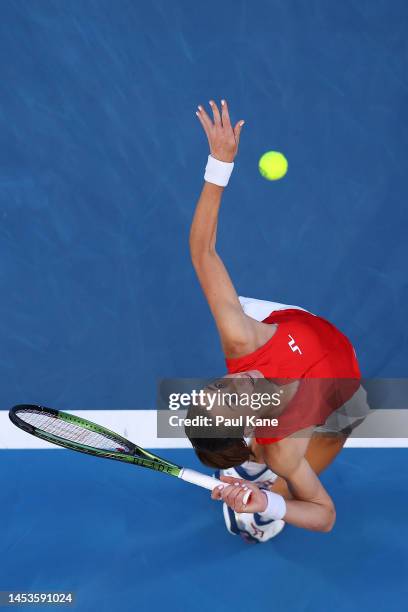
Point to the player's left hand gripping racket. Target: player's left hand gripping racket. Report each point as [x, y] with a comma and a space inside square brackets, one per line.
[81, 435]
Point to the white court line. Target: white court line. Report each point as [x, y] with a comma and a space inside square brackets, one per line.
[140, 426]
[377, 443]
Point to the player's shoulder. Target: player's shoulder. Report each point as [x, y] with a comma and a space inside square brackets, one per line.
[285, 455]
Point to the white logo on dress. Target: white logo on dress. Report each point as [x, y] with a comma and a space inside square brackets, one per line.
[294, 346]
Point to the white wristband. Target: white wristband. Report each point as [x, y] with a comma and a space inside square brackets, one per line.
[276, 508]
[218, 172]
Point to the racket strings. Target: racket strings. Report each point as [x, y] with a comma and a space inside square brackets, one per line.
[71, 431]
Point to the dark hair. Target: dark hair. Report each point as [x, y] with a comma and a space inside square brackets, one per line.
[221, 452]
[224, 449]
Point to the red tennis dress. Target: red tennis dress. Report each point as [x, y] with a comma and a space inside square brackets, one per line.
[313, 351]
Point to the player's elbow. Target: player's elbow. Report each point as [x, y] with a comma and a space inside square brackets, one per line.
[200, 251]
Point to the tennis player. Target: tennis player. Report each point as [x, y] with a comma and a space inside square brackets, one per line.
[303, 357]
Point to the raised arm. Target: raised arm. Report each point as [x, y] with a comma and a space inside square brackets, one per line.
[235, 328]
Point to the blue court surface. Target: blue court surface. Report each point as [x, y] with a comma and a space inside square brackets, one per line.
[124, 538]
[101, 163]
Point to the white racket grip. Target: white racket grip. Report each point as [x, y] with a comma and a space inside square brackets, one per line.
[205, 481]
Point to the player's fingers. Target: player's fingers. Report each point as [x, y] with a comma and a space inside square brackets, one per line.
[228, 496]
[204, 117]
[231, 479]
[249, 486]
[247, 496]
[226, 122]
[239, 504]
[237, 130]
[216, 113]
[230, 493]
[203, 123]
[217, 492]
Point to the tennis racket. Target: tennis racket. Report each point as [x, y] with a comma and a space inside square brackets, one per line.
[81, 435]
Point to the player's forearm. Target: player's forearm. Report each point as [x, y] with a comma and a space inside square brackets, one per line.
[309, 515]
[309, 505]
[204, 226]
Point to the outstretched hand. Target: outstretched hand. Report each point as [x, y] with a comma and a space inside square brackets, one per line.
[222, 137]
[234, 493]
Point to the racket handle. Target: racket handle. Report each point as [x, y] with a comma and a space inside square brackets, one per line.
[205, 481]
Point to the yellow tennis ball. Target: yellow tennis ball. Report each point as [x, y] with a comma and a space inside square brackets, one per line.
[273, 165]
